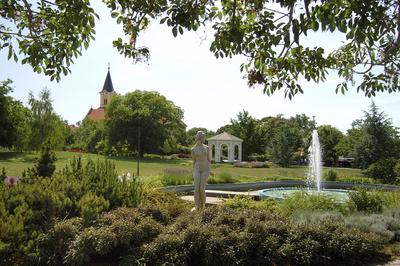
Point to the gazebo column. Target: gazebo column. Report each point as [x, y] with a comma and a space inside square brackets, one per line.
[230, 152]
[211, 145]
[217, 152]
[240, 152]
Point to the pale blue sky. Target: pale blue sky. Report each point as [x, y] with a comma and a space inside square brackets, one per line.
[210, 91]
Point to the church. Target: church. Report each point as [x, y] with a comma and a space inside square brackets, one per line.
[106, 95]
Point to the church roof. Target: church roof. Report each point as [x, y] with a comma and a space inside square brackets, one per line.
[96, 114]
[108, 86]
[225, 137]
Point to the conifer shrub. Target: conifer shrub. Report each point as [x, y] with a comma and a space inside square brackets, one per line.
[30, 209]
[91, 206]
[45, 166]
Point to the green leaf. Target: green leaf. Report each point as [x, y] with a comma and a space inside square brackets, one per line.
[174, 31]
[10, 52]
[162, 21]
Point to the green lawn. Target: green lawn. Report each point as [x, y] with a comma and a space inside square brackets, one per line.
[15, 163]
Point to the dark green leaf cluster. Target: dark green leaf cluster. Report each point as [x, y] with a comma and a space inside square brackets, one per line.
[371, 139]
[30, 209]
[14, 117]
[143, 121]
[384, 169]
[272, 34]
[278, 139]
[329, 137]
[48, 34]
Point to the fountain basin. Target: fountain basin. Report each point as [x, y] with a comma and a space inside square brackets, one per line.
[339, 195]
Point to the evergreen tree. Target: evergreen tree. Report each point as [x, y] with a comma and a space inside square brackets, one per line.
[3, 175]
[377, 139]
[45, 166]
[284, 144]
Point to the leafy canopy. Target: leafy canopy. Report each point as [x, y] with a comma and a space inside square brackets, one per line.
[143, 121]
[271, 34]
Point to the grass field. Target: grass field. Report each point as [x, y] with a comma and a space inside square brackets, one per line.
[15, 163]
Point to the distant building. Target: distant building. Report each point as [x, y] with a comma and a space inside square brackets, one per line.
[106, 95]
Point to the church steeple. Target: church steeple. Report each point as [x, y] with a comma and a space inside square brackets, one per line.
[108, 90]
[108, 86]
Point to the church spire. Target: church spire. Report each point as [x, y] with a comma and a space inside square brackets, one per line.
[108, 86]
[108, 90]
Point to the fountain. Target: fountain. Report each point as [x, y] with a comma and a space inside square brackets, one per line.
[313, 178]
[315, 162]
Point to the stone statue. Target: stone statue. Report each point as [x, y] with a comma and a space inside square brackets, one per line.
[201, 169]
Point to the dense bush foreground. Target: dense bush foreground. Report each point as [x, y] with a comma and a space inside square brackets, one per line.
[88, 214]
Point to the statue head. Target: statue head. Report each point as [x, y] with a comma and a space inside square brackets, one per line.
[200, 136]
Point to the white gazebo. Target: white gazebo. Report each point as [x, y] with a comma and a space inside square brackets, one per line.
[233, 144]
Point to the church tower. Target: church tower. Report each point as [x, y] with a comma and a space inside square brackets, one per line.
[108, 91]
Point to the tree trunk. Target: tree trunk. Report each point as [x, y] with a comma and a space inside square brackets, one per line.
[138, 152]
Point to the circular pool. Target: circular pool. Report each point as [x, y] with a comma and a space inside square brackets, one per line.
[339, 195]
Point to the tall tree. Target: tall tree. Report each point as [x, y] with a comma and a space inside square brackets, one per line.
[284, 144]
[90, 134]
[329, 138]
[271, 34]
[14, 117]
[143, 120]
[45, 124]
[378, 138]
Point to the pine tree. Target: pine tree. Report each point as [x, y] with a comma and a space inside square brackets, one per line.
[45, 166]
[377, 139]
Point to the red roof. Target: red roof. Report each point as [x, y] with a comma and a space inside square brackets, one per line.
[98, 114]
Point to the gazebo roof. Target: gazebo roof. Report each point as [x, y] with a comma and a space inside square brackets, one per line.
[225, 137]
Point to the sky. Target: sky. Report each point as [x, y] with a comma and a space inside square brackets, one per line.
[210, 91]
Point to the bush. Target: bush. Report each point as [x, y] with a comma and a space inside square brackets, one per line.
[168, 202]
[303, 201]
[55, 243]
[90, 206]
[239, 202]
[251, 164]
[222, 178]
[176, 176]
[390, 199]
[30, 208]
[331, 175]
[382, 169]
[224, 236]
[357, 179]
[385, 225]
[258, 157]
[365, 201]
